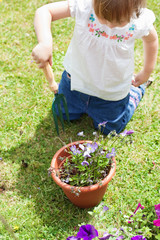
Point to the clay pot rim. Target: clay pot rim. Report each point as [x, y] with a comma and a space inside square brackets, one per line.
[106, 180]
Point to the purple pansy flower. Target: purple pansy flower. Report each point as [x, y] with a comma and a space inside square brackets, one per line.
[95, 146]
[156, 222]
[85, 163]
[138, 237]
[111, 154]
[157, 208]
[102, 124]
[81, 146]
[91, 147]
[87, 232]
[75, 150]
[86, 154]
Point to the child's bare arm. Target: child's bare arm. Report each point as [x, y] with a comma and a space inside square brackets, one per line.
[42, 53]
[150, 44]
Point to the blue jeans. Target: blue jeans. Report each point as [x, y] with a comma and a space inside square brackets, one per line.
[116, 113]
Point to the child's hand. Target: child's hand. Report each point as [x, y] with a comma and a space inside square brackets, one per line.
[42, 54]
[140, 78]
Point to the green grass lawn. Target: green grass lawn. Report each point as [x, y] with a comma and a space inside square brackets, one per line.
[33, 206]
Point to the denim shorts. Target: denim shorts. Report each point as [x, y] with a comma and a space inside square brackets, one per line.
[115, 113]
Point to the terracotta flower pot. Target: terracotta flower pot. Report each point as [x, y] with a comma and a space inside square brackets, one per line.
[88, 196]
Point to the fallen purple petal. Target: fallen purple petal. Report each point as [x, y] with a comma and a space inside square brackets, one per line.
[139, 206]
[124, 133]
[129, 132]
[105, 208]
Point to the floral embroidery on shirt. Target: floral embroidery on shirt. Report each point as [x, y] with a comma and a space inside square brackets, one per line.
[132, 27]
[96, 31]
[92, 18]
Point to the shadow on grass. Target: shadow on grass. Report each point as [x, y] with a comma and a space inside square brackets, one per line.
[33, 182]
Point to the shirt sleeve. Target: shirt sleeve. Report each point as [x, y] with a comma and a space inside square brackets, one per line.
[72, 7]
[144, 23]
[79, 7]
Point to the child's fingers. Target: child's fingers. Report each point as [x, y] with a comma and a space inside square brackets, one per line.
[41, 62]
[136, 84]
[133, 83]
[35, 58]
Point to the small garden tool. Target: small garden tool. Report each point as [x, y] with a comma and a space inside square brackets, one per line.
[58, 99]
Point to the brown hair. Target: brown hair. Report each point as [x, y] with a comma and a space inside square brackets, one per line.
[116, 10]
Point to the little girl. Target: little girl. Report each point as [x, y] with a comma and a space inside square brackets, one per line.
[99, 63]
